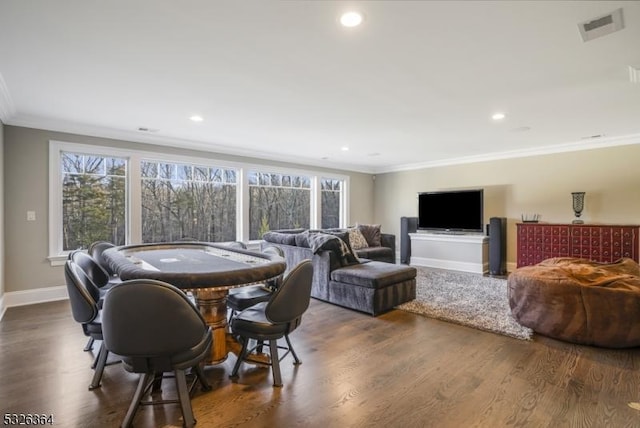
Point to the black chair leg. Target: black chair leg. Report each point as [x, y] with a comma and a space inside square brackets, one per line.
[95, 361]
[296, 360]
[204, 383]
[89, 346]
[241, 357]
[97, 373]
[157, 383]
[137, 398]
[275, 362]
[184, 398]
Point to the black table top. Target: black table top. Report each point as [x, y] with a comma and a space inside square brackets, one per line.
[194, 264]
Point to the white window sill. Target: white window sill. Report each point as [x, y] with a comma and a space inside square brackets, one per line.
[57, 260]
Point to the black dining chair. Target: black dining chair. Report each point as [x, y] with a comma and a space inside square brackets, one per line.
[99, 279]
[95, 250]
[83, 297]
[155, 328]
[241, 298]
[96, 273]
[275, 319]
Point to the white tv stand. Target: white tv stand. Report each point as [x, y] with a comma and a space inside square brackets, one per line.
[466, 252]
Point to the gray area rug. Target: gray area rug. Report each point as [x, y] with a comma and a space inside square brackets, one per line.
[465, 298]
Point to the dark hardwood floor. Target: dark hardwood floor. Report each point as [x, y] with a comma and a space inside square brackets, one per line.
[396, 370]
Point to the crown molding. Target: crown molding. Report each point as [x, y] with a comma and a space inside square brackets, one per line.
[576, 146]
[136, 137]
[7, 109]
[100, 132]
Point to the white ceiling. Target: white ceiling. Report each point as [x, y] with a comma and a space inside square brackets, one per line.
[415, 85]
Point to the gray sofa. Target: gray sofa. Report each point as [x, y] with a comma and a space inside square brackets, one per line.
[385, 252]
[371, 286]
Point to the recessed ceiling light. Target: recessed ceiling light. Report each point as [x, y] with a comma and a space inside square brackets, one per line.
[196, 118]
[498, 116]
[344, 149]
[351, 19]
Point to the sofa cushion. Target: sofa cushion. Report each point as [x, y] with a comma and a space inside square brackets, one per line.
[376, 253]
[280, 238]
[302, 239]
[371, 233]
[298, 230]
[373, 274]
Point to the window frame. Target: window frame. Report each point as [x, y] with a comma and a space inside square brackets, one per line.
[57, 255]
[133, 188]
[313, 219]
[343, 198]
[192, 161]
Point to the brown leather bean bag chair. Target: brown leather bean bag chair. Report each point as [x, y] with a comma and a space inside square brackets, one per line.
[579, 301]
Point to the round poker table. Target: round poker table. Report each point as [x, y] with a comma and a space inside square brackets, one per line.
[204, 269]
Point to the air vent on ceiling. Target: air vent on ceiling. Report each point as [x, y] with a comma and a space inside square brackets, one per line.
[601, 26]
[145, 129]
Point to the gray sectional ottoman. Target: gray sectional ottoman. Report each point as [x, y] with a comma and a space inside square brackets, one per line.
[372, 287]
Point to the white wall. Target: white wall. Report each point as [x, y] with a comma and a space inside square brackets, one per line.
[538, 184]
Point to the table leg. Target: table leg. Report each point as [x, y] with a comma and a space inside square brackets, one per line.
[213, 307]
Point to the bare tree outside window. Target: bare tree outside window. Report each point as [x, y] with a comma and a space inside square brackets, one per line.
[92, 189]
[93, 200]
[331, 197]
[278, 201]
[182, 200]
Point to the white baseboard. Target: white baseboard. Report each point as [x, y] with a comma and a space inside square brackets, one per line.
[450, 264]
[417, 261]
[30, 297]
[3, 308]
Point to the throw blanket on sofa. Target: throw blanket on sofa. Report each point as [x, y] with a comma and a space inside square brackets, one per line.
[327, 242]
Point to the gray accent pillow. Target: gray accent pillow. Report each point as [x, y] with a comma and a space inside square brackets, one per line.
[371, 233]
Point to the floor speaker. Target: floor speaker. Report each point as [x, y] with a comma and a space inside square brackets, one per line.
[407, 225]
[498, 246]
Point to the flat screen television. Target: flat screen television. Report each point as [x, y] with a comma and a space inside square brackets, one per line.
[451, 211]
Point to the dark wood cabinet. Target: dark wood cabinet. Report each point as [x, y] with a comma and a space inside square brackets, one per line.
[600, 243]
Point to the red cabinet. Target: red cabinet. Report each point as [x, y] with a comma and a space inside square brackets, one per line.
[601, 243]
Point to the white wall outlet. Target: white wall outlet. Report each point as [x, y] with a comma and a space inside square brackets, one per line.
[31, 216]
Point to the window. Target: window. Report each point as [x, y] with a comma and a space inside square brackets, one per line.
[331, 202]
[182, 200]
[128, 197]
[93, 199]
[278, 201]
